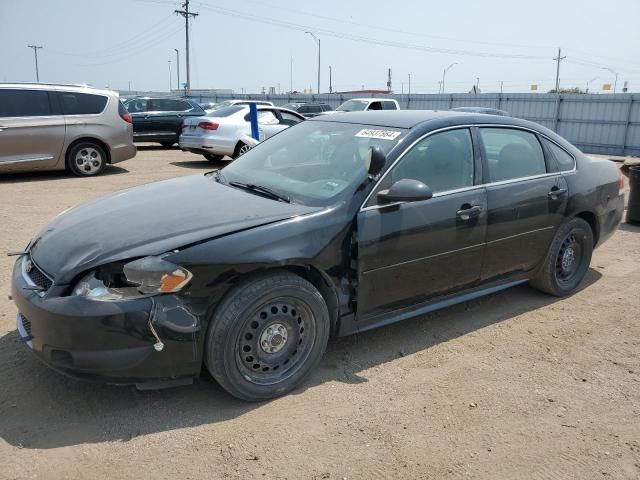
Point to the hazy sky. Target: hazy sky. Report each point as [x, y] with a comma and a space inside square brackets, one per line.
[249, 43]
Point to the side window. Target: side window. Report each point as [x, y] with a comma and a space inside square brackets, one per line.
[137, 105]
[24, 103]
[168, 105]
[288, 119]
[315, 108]
[303, 109]
[375, 106]
[267, 117]
[182, 106]
[512, 153]
[443, 161]
[563, 159]
[73, 103]
[387, 105]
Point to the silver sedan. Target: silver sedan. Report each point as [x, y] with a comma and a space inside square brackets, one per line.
[228, 131]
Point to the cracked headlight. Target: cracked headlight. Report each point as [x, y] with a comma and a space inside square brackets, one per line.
[140, 278]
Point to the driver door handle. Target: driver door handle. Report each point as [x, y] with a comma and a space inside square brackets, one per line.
[556, 192]
[466, 214]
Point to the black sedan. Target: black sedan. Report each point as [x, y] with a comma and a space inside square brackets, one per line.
[159, 119]
[337, 225]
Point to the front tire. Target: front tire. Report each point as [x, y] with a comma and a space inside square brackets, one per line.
[568, 259]
[241, 149]
[86, 159]
[167, 144]
[212, 157]
[267, 334]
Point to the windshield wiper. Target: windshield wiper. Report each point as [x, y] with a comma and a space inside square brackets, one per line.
[263, 190]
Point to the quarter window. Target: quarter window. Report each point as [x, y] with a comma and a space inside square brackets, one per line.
[512, 154]
[563, 159]
[443, 161]
[289, 119]
[24, 103]
[73, 103]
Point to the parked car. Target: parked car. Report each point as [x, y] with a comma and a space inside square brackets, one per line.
[337, 225]
[159, 119]
[308, 109]
[58, 127]
[488, 111]
[361, 104]
[221, 132]
[211, 107]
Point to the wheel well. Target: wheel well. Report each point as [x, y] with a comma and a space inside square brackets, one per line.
[591, 219]
[104, 146]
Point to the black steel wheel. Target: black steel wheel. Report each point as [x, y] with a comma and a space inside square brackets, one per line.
[267, 334]
[568, 259]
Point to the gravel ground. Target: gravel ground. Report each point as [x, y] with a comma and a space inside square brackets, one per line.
[514, 385]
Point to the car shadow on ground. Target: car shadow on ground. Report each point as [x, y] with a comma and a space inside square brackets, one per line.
[55, 175]
[630, 227]
[43, 409]
[152, 146]
[200, 164]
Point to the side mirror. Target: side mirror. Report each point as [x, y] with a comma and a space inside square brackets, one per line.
[376, 160]
[405, 190]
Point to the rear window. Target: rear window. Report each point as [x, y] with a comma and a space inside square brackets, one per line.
[24, 103]
[74, 103]
[227, 111]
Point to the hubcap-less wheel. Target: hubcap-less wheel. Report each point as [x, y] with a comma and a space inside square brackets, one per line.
[88, 160]
[568, 259]
[243, 149]
[275, 341]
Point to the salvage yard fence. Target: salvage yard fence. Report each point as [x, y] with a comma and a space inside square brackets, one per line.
[603, 124]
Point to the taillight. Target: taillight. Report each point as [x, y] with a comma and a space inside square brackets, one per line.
[208, 125]
[124, 114]
[620, 183]
[127, 117]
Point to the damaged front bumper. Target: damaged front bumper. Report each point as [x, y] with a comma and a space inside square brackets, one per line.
[112, 342]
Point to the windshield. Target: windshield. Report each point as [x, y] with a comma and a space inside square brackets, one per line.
[313, 162]
[352, 106]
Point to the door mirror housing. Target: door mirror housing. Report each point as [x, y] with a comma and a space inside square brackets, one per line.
[405, 190]
[376, 161]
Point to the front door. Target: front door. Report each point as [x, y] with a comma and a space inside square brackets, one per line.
[526, 201]
[410, 253]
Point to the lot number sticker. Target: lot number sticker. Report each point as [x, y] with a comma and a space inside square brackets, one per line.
[384, 134]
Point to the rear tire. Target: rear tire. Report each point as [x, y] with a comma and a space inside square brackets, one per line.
[86, 159]
[567, 261]
[212, 157]
[167, 144]
[241, 149]
[266, 335]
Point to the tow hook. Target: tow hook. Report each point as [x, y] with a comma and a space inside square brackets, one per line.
[158, 346]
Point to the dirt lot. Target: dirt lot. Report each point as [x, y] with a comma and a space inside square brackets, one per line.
[515, 385]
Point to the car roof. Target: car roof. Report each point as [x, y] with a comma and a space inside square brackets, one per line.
[371, 99]
[412, 118]
[76, 87]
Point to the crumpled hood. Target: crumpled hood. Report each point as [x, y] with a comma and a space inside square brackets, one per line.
[150, 220]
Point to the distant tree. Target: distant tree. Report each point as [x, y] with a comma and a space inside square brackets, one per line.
[568, 90]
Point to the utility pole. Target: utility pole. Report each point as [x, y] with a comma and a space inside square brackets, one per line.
[170, 76]
[186, 14]
[501, 82]
[35, 52]
[558, 59]
[409, 84]
[291, 76]
[330, 86]
[178, 65]
[317, 40]
[389, 81]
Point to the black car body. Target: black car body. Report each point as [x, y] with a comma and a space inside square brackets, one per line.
[159, 119]
[379, 251]
[308, 109]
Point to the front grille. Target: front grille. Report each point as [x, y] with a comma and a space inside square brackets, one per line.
[38, 277]
[26, 324]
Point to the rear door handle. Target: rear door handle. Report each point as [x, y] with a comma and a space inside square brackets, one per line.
[468, 213]
[556, 192]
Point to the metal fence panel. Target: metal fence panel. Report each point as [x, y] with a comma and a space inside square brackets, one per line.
[606, 124]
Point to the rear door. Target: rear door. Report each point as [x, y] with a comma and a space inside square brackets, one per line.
[32, 131]
[526, 201]
[139, 110]
[410, 253]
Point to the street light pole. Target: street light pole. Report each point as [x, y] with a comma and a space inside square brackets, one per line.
[444, 73]
[178, 65]
[170, 76]
[317, 40]
[615, 82]
[35, 52]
